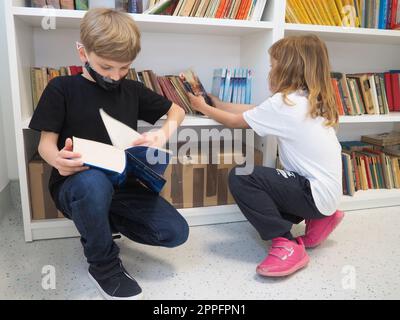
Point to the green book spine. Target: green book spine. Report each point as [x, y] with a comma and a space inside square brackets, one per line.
[82, 4]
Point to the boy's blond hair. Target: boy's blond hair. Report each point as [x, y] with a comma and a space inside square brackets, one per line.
[302, 63]
[110, 34]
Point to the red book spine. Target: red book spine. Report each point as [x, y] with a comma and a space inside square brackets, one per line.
[389, 93]
[220, 9]
[396, 91]
[393, 14]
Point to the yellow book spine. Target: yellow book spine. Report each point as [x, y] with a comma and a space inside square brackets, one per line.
[318, 4]
[290, 17]
[339, 6]
[300, 9]
[309, 8]
[328, 13]
[334, 12]
[316, 12]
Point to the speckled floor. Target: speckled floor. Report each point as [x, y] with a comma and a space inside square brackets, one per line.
[361, 260]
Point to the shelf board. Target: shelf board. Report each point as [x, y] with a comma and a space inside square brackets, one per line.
[64, 228]
[371, 199]
[346, 34]
[369, 118]
[194, 121]
[149, 23]
[189, 121]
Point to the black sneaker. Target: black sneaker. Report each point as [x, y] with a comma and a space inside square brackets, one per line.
[116, 283]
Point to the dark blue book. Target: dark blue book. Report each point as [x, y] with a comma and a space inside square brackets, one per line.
[120, 160]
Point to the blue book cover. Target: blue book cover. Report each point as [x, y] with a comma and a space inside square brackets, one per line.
[121, 159]
[248, 87]
[218, 82]
[383, 9]
[228, 86]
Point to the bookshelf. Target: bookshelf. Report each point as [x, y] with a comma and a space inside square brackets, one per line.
[203, 44]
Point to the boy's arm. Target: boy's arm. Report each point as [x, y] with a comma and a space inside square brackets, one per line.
[159, 138]
[229, 119]
[63, 160]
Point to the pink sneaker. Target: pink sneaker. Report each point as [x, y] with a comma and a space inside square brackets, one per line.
[284, 258]
[317, 230]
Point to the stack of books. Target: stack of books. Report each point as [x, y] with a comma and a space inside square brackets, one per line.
[372, 163]
[376, 14]
[367, 93]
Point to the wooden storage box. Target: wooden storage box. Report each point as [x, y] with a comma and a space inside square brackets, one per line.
[42, 205]
[192, 182]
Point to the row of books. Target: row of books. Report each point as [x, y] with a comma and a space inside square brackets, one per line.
[367, 93]
[367, 166]
[41, 76]
[173, 87]
[375, 14]
[131, 6]
[220, 9]
[232, 85]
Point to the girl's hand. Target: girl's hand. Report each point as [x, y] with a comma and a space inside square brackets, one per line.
[215, 100]
[156, 139]
[68, 162]
[197, 102]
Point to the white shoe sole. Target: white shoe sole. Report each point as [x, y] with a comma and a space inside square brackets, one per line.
[108, 297]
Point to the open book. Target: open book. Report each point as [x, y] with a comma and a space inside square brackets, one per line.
[121, 159]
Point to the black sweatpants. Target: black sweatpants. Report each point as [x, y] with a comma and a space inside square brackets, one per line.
[273, 200]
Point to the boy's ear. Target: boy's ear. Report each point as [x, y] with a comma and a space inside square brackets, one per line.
[82, 55]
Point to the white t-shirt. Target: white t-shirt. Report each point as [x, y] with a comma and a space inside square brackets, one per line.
[306, 145]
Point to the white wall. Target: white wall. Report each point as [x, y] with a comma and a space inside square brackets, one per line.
[8, 153]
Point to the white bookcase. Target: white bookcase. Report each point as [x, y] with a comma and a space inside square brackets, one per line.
[172, 44]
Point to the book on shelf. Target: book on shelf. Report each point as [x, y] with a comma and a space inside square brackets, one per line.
[193, 85]
[232, 85]
[222, 9]
[376, 14]
[121, 159]
[368, 167]
[393, 150]
[382, 139]
[366, 93]
[40, 77]
[171, 86]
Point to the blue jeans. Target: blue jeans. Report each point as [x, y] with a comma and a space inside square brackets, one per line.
[98, 209]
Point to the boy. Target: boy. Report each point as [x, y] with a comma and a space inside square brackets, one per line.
[69, 106]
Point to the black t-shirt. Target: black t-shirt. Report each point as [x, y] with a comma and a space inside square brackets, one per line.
[70, 107]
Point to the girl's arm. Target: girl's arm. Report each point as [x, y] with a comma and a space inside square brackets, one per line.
[229, 119]
[230, 107]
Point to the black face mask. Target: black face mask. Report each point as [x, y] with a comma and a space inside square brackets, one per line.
[104, 82]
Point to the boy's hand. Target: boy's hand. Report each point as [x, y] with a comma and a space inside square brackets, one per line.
[197, 102]
[67, 162]
[156, 139]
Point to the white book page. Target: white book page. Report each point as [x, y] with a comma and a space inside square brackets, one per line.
[100, 154]
[121, 135]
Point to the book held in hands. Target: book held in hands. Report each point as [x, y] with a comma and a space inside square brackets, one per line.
[121, 159]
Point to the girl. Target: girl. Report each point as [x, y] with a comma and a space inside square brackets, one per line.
[302, 114]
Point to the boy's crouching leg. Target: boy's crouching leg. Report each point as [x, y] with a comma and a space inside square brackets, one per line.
[86, 197]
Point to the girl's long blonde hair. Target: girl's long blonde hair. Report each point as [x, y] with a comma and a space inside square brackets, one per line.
[302, 63]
